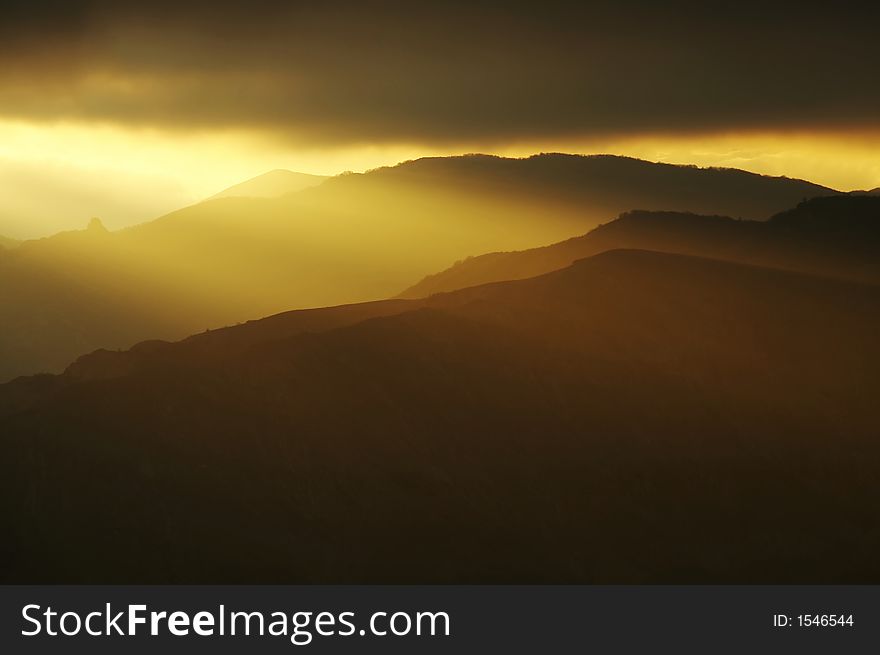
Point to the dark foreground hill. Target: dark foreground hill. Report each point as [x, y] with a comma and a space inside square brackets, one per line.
[832, 236]
[635, 417]
[353, 238]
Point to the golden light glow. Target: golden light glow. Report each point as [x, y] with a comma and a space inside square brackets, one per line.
[57, 175]
[842, 161]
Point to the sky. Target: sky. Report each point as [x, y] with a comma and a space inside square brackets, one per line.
[127, 110]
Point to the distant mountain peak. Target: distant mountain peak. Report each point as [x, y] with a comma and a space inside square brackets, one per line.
[834, 236]
[95, 225]
[273, 184]
[594, 164]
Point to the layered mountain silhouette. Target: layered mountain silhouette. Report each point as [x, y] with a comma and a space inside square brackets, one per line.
[835, 236]
[272, 185]
[605, 185]
[352, 238]
[633, 417]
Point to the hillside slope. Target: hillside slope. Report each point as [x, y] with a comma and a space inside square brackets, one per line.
[635, 417]
[272, 185]
[352, 238]
[606, 185]
[834, 236]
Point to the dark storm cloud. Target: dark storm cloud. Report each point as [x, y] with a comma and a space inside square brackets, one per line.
[344, 72]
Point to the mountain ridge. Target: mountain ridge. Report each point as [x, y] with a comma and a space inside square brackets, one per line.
[691, 185]
[539, 430]
[234, 340]
[835, 236]
[271, 184]
[352, 238]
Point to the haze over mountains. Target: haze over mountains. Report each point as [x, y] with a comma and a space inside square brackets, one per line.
[609, 370]
[351, 238]
[634, 417]
[272, 184]
[538, 415]
[836, 236]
